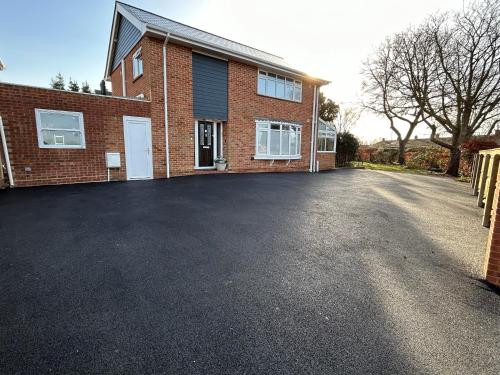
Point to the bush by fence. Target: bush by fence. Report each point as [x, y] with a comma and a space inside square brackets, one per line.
[428, 158]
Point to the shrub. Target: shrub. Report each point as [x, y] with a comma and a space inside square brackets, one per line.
[469, 149]
[427, 158]
[365, 153]
[385, 156]
[473, 146]
[347, 148]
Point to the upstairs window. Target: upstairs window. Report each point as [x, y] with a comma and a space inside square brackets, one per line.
[277, 86]
[277, 140]
[327, 137]
[137, 63]
[59, 129]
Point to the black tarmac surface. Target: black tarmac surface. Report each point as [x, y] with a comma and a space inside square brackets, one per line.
[349, 271]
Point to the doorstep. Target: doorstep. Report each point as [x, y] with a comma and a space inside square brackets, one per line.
[209, 171]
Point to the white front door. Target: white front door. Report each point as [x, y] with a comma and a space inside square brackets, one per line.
[138, 147]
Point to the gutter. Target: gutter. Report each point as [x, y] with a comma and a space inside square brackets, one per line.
[165, 101]
[6, 153]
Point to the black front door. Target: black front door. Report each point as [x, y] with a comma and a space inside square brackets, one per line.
[205, 144]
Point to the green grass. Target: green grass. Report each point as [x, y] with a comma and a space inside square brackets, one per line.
[462, 179]
[387, 167]
[401, 169]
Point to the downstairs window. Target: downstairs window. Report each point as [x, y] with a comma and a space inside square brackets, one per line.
[277, 140]
[327, 137]
[59, 129]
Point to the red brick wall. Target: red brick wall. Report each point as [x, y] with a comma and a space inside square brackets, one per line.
[141, 84]
[326, 160]
[103, 124]
[492, 259]
[245, 105]
[150, 83]
[180, 109]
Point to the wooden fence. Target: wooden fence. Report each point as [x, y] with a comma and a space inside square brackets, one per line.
[484, 180]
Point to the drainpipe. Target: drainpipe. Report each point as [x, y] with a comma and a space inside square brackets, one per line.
[311, 159]
[6, 153]
[316, 127]
[165, 101]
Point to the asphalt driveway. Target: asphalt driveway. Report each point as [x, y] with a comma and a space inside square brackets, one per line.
[350, 272]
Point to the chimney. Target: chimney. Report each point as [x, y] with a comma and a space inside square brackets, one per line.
[416, 137]
[383, 139]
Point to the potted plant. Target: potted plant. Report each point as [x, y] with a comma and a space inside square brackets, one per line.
[220, 164]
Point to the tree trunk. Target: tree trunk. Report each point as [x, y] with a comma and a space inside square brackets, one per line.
[454, 161]
[401, 153]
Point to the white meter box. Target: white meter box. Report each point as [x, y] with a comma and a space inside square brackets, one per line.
[113, 160]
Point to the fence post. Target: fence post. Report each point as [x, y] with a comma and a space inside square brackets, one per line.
[473, 169]
[491, 191]
[477, 174]
[482, 180]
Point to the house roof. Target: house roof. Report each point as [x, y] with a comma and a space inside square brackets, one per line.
[148, 22]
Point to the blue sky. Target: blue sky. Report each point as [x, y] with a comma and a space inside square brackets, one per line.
[326, 38]
[38, 39]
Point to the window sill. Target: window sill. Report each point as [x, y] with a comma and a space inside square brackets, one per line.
[327, 152]
[277, 157]
[61, 147]
[137, 77]
[282, 99]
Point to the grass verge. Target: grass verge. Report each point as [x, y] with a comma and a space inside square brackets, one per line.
[389, 168]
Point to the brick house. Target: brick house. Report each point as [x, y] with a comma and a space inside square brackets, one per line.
[222, 99]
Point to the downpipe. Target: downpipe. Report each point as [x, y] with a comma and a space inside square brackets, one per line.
[165, 100]
[6, 153]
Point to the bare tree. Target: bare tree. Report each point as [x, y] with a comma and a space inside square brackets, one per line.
[385, 94]
[346, 119]
[453, 68]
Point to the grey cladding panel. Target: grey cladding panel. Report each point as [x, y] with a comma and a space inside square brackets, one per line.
[209, 87]
[128, 36]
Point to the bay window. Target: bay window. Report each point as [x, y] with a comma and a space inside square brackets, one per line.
[277, 140]
[327, 137]
[278, 86]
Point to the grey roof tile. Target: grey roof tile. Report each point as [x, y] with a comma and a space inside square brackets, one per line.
[194, 34]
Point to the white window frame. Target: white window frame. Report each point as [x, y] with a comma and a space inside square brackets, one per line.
[324, 134]
[269, 156]
[135, 66]
[296, 86]
[39, 111]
